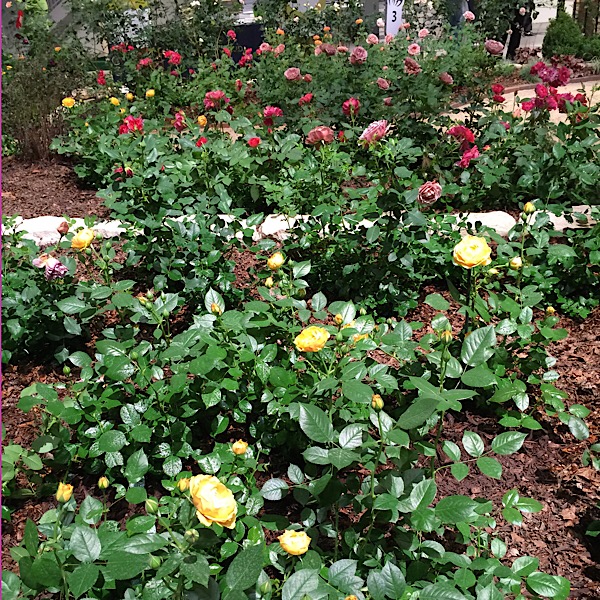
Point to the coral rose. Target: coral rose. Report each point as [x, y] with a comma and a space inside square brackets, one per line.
[472, 251]
[322, 133]
[294, 542]
[213, 501]
[414, 49]
[312, 339]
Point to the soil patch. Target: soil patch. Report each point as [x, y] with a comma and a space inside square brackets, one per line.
[46, 188]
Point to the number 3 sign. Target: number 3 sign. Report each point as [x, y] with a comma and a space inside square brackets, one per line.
[393, 16]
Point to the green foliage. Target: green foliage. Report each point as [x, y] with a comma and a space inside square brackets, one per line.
[564, 37]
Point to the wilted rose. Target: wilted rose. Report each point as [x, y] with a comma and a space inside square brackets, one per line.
[446, 78]
[411, 66]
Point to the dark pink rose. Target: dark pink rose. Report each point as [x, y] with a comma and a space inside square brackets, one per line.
[494, 47]
[429, 193]
[358, 56]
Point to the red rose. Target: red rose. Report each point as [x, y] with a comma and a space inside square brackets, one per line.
[253, 142]
[201, 141]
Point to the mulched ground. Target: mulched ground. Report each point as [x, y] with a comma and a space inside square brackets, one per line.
[548, 468]
[40, 189]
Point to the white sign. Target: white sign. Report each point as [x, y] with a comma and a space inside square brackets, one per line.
[393, 16]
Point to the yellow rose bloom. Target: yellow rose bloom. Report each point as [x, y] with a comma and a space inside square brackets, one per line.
[215, 309]
[529, 208]
[82, 239]
[515, 263]
[68, 102]
[239, 447]
[64, 492]
[103, 483]
[8, 67]
[312, 339]
[550, 310]
[149, 93]
[275, 261]
[57, 49]
[183, 484]
[472, 251]
[213, 501]
[377, 402]
[114, 101]
[269, 282]
[294, 542]
[202, 121]
[129, 96]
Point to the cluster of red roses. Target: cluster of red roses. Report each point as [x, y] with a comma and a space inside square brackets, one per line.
[466, 137]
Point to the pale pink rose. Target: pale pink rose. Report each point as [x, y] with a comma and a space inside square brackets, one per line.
[429, 193]
[389, 38]
[383, 84]
[342, 49]
[446, 78]
[423, 33]
[358, 56]
[264, 47]
[319, 134]
[494, 47]
[411, 66]
[318, 51]
[279, 49]
[414, 49]
[517, 113]
[372, 39]
[384, 68]
[292, 74]
[374, 132]
[54, 269]
[468, 16]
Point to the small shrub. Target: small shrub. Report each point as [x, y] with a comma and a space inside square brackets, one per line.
[564, 37]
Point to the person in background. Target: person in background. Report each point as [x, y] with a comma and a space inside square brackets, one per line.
[517, 27]
[529, 16]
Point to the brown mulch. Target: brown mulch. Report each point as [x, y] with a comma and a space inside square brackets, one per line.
[40, 189]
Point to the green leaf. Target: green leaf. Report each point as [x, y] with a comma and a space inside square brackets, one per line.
[342, 458]
[245, 569]
[90, 510]
[394, 581]
[30, 537]
[525, 565]
[441, 591]
[11, 585]
[508, 442]
[274, 489]
[459, 470]
[578, 428]
[478, 346]
[123, 565]
[489, 466]
[456, 509]
[473, 443]
[145, 543]
[136, 495]
[111, 441]
[71, 306]
[137, 466]
[549, 586]
[45, 571]
[172, 466]
[82, 579]
[301, 583]
[140, 524]
[437, 301]
[351, 436]
[295, 474]
[315, 423]
[451, 450]
[119, 368]
[490, 592]
[561, 251]
[195, 568]
[480, 376]
[528, 505]
[417, 413]
[357, 391]
[421, 496]
[213, 297]
[85, 544]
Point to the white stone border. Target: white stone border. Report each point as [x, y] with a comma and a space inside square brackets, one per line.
[42, 230]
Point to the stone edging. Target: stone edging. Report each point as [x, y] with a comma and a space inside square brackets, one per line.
[42, 230]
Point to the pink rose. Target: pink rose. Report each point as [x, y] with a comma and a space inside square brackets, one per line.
[468, 16]
[414, 49]
[54, 269]
[446, 78]
[461, 133]
[423, 33]
[383, 84]
[319, 134]
[429, 193]
[264, 47]
[342, 49]
[328, 49]
[374, 132]
[351, 107]
[405, 25]
[494, 47]
[372, 39]
[528, 105]
[279, 49]
[411, 66]
[306, 99]
[541, 90]
[467, 157]
[292, 74]
[308, 77]
[270, 113]
[388, 38]
[384, 68]
[387, 101]
[358, 56]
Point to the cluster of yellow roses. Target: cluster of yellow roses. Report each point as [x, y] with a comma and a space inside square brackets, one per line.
[473, 251]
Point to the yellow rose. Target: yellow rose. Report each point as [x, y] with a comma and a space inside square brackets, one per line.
[114, 101]
[129, 96]
[529, 208]
[338, 319]
[82, 239]
[472, 251]
[202, 121]
[550, 310]
[446, 336]
[64, 492]
[8, 67]
[103, 483]
[377, 402]
[213, 501]
[183, 484]
[275, 261]
[515, 263]
[215, 309]
[269, 282]
[68, 102]
[294, 542]
[149, 93]
[239, 447]
[312, 339]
